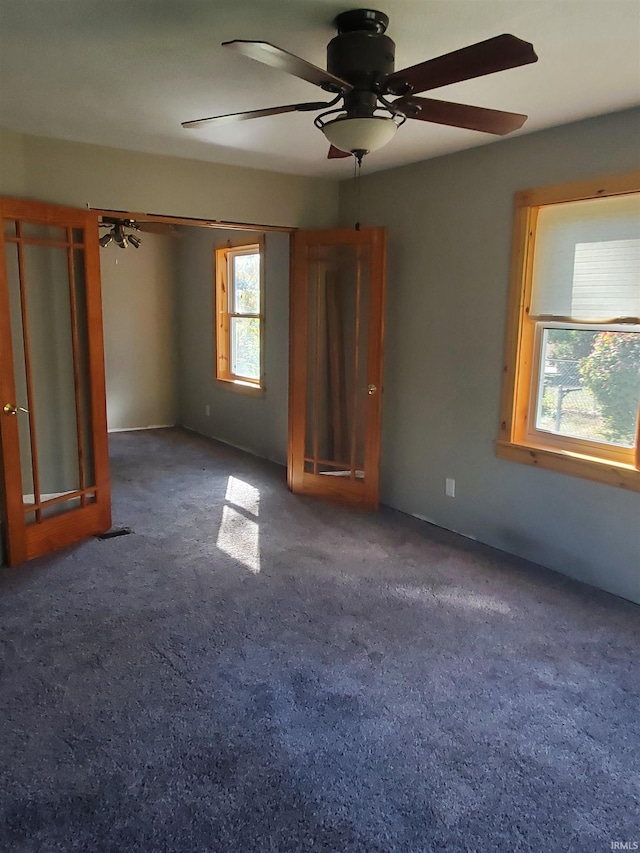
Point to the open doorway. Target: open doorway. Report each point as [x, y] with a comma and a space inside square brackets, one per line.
[159, 320]
[139, 318]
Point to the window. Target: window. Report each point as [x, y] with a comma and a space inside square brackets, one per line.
[571, 393]
[239, 316]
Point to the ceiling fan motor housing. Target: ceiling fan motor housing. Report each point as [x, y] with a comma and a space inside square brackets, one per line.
[361, 53]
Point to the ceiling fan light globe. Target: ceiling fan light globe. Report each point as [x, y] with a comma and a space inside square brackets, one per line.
[360, 134]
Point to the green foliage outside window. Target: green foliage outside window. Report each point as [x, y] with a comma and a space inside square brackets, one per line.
[604, 366]
[572, 344]
[611, 371]
[245, 331]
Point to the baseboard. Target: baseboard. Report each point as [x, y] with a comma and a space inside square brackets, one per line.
[235, 446]
[449, 529]
[137, 429]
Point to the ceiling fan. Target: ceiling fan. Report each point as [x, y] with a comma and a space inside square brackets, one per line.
[372, 99]
[124, 239]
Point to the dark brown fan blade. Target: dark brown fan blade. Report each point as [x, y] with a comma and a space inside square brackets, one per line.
[269, 111]
[460, 115]
[336, 153]
[486, 57]
[269, 54]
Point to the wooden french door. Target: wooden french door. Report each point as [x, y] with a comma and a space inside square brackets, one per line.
[335, 372]
[55, 475]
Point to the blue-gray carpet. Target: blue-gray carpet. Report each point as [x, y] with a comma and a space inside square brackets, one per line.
[252, 671]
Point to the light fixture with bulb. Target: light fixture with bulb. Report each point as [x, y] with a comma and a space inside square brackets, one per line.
[367, 122]
[358, 134]
[118, 236]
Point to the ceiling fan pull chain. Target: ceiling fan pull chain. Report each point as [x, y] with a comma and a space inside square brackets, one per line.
[357, 169]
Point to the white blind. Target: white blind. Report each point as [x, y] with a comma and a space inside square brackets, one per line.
[586, 265]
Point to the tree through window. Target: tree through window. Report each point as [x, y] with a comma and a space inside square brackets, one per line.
[239, 314]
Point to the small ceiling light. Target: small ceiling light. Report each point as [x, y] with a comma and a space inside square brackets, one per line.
[120, 237]
[360, 134]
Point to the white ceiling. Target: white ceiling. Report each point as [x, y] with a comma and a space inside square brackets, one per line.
[127, 72]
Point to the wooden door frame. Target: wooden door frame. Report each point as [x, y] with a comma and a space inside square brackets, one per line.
[366, 498]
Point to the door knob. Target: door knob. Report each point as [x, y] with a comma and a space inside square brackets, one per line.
[9, 409]
[371, 389]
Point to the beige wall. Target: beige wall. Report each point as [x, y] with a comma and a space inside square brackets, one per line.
[109, 178]
[449, 229]
[12, 168]
[139, 317]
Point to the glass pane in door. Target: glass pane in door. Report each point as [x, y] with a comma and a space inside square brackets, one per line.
[38, 231]
[20, 374]
[338, 318]
[54, 507]
[51, 364]
[50, 345]
[83, 402]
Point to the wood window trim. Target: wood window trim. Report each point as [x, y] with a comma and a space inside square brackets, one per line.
[513, 444]
[223, 375]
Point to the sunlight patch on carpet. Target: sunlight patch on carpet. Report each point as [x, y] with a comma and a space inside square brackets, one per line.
[239, 533]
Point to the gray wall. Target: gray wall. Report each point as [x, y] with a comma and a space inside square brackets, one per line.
[257, 424]
[140, 332]
[12, 164]
[449, 230]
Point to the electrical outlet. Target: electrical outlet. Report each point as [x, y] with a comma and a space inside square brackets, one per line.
[207, 410]
[450, 487]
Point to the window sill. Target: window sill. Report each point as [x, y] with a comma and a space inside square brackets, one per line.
[576, 465]
[240, 387]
